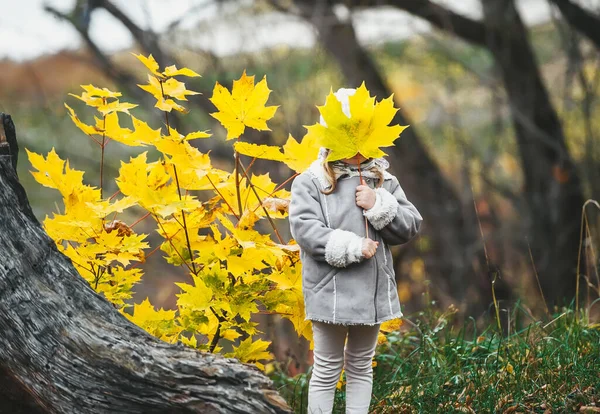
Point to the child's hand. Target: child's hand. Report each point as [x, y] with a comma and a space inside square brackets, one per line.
[365, 196]
[369, 247]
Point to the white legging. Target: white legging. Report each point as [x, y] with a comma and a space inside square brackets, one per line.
[329, 358]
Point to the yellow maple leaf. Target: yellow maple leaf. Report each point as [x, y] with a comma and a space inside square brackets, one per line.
[54, 172]
[159, 322]
[265, 152]
[391, 325]
[109, 126]
[191, 341]
[250, 350]
[91, 90]
[196, 297]
[152, 187]
[173, 71]
[169, 71]
[99, 100]
[299, 156]
[115, 106]
[116, 286]
[364, 132]
[87, 129]
[141, 135]
[169, 88]
[244, 106]
[264, 188]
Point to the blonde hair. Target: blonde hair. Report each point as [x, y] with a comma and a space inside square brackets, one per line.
[330, 175]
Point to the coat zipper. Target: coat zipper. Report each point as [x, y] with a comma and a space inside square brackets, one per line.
[376, 285]
[376, 267]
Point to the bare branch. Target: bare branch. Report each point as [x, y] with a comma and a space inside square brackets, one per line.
[580, 19]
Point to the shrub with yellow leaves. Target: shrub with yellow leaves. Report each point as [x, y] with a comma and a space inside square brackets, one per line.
[234, 270]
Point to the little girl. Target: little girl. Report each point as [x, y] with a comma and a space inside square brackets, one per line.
[348, 278]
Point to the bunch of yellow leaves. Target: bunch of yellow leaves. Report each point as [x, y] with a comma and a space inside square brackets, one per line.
[364, 132]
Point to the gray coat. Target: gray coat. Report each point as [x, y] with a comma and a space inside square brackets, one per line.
[338, 284]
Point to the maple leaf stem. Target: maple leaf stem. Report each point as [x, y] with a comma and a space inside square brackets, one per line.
[185, 229]
[237, 182]
[361, 180]
[171, 243]
[95, 140]
[261, 203]
[279, 187]
[157, 248]
[223, 198]
[140, 219]
[114, 195]
[251, 164]
[102, 153]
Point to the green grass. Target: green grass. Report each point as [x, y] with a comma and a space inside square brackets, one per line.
[550, 366]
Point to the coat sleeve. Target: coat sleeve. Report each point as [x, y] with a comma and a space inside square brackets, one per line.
[396, 218]
[337, 247]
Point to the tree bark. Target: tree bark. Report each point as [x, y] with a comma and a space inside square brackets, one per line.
[455, 245]
[65, 349]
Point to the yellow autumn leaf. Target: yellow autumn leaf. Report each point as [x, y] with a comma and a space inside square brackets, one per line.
[264, 188]
[102, 104]
[54, 172]
[299, 156]
[191, 341]
[159, 322]
[244, 106]
[110, 127]
[169, 88]
[150, 63]
[152, 187]
[87, 129]
[250, 350]
[196, 297]
[142, 134]
[391, 325]
[266, 152]
[166, 104]
[169, 71]
[116, 106]
[173, 71]
[164, 91]
[244, 306]
[364, 132]
[174, 135]
[231, 335]
[91, 90]
[117, 285]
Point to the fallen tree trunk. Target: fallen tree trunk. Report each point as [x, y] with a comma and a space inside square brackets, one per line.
[65, 349]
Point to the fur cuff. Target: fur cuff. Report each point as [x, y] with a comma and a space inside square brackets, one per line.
[383, 211]
[343, 248]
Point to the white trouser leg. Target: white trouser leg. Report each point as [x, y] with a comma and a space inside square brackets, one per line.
[328, 362]
[360, 348]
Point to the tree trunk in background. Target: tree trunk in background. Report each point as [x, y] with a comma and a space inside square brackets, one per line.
[65, 349]
[552, 185]
[455, 244]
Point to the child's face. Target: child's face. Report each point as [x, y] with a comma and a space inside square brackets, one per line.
[358, 158]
